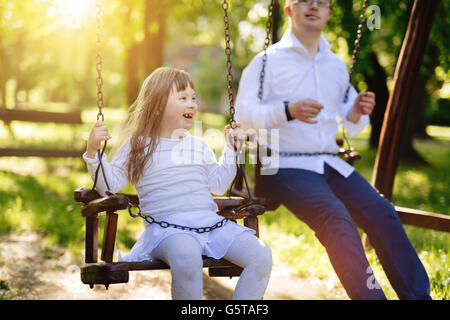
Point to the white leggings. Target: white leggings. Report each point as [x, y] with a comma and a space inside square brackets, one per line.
[183, 254]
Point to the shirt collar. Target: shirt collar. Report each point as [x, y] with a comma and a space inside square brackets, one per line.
[290, 41]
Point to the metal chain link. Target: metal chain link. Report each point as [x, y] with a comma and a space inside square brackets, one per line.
[297, 154]
[226, 20]
[266, 45]
[99, 66]
[99, 81]
[362, 19]
[165, 224]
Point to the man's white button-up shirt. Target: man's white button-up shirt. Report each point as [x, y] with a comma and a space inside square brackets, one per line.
[292, 74]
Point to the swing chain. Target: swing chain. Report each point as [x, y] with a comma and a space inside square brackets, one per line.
[99, 81]
[240, 167]
[266, 45]
[226, 19]
[99, 66]
[357, 45]
[165, 224]
[362, 19]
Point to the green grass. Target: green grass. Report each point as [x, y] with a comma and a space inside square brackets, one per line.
[37, 195]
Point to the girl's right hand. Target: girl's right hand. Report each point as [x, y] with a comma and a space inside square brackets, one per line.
[235, 137]
[99, 133]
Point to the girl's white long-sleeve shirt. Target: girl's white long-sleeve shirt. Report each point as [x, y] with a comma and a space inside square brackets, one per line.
[179, 178]
[176, 187]
[292, 74]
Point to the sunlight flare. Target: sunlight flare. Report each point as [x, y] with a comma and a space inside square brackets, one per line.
[72, 13]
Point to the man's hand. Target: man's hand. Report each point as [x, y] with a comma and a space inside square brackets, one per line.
[364, 104]
[99, 133]
[304, 110]
[235, 137]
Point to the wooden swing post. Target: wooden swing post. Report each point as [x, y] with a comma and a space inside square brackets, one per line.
[406, 71]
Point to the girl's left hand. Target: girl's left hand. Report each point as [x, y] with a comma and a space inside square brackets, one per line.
[235, 137]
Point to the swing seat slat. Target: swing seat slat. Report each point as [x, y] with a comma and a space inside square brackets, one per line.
[95, 204]
[118, 272]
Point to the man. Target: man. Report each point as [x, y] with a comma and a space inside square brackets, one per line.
[303, 97]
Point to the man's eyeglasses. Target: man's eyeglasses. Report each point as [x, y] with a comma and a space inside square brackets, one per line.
[309, 3]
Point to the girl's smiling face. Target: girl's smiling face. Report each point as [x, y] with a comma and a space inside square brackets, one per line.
[180, 111]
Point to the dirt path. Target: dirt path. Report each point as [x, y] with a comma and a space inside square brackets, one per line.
[32, 270]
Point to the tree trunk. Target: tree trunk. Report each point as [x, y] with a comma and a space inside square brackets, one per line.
[131, 60]
[415, 119]
[155, 33]
[432, 61]
[131, 70]
[407, 69]
[416, 110]
[3, 70]
[20, 49]
[3, 76]
[276, 21]
[377, 84]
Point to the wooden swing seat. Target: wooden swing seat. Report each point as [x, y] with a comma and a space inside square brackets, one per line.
[109, 272]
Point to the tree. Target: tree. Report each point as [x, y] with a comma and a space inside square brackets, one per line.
[385, 44]
[145, 53]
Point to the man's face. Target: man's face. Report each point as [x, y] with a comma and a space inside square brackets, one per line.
[306, 14]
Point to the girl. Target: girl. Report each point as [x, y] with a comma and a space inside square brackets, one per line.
[174, 174]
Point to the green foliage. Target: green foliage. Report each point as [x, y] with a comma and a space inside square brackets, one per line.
[439, 113]
[39, 203]
[207, 84]
[44, 203]
[4, 288]
[49, 54]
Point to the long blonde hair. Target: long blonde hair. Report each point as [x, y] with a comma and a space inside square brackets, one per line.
[146, 113]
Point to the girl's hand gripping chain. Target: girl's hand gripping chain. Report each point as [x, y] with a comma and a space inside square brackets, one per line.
[99, 133]
[235, 137]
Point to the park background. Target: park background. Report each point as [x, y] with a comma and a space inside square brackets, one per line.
[47, 63]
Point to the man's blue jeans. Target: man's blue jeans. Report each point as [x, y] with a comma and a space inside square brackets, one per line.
[333, 206]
